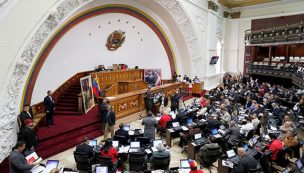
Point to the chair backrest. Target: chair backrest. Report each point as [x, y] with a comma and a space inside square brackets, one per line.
[83, 162]
[104, 161]
[211, 155]
[161, 162]
[281, 159]
[19, 122]
[81, 157]
[137, 161]
[122, 139]
[143, 140]
[250, 134]
[169, 124]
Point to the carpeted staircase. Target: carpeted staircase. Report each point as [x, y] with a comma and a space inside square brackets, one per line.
[67, 103]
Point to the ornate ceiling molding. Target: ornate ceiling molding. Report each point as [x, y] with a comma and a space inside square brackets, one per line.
[9, 104]
[183, 21]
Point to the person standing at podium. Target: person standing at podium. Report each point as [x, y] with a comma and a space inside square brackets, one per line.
[196, 80]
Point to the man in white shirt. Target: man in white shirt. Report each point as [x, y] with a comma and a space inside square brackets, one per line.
[246, 127]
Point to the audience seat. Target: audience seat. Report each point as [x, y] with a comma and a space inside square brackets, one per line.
[83, 163]
[161, 163]
[137, 161]
[258, 169]
[106, 161]
[122, 139]
[210, 156]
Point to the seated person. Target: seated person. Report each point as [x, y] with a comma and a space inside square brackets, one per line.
[204, 102]
[255, 121]
[193, 167]
[17, 161]
[163, 121]
[25, 114]
[107, 150]
[161, 152]
[246, 127]
[287, 126]
[234, 134]
[289, 140]
[85, 148]
[204, 148]
[275, 146]
[29, 136]
[246, 162]
[212, 122]
[55, 170]
[186, 136]
[181, 114]
[122, 132]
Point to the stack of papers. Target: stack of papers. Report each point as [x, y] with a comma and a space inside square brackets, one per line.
[184, 128]
[33, 158]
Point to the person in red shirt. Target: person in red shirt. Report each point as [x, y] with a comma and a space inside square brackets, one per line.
[275, 146]
[163, 121]
[109, 151]
[204, 102]
[193, 167]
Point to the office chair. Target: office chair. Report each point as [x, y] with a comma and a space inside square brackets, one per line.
[258, 169]
[137, 161]
[106, 161]
[281, 162]
[143, 140]
[161, 163]
[83, 162]
[122, 139]
[209, 157]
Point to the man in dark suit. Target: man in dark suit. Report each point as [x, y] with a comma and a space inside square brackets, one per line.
[24, 115]
[17, 161]
[29, 136]
[246, 162]
[180, 115]
[49, 108]
[103, 109]
[110, 122]
[149, 100]
[122, 132]
[85, 148]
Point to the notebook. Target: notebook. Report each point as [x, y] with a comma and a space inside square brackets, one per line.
[33, 158]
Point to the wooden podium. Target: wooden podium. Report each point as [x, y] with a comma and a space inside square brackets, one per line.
[197, 88]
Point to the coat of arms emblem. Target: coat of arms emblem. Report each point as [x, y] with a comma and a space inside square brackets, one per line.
[115, 40]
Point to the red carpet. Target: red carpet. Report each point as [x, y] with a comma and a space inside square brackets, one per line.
[67, 132]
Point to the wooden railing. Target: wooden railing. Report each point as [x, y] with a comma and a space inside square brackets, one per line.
[39, 107]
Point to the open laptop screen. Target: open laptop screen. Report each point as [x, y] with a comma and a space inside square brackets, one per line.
[135, 144]
[156, 142]
[101, 169]
[115, 144]
[230, 153]
[197, 136]
[214, 131]
[51, 164]
[184, 164]
[285, 171]
[299, 164]
[245, 146]
[126, 127]
[93, 143]
[175, 124]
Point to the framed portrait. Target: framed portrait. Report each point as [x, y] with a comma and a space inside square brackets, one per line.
[87, 93]
[152, 77]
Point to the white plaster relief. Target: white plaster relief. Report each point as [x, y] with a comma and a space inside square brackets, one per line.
[201, 23]
[9, 107]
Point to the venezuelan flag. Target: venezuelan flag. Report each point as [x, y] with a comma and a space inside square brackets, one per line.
[96, 89]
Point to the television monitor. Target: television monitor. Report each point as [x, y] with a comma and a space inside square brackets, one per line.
[214, 59]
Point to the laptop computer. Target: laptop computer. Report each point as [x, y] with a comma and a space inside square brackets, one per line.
[101, 169]
[214, 132]
[299, 165]
[176, 126]
[198, 139]
[134, 146]
[126, 127]
[232, 156]
[93, 143]
[51, 164]
[156, 142]
[115, 144]
[184, 164]
[252, 141]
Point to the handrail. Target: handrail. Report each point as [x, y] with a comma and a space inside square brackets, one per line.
[39, 107]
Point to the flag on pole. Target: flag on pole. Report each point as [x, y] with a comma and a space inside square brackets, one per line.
[96, 89]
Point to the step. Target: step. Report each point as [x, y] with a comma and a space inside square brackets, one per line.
[67, 100]
[66, 144]
[66, 104]
[63, 108]
[72, 113]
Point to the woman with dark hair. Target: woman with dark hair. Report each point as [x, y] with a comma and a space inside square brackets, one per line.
[109, 151]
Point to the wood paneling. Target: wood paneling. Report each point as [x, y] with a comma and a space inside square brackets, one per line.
[258, 24]
[132, 102]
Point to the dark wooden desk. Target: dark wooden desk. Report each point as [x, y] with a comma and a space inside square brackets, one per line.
[168, 137]
[192, 150]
